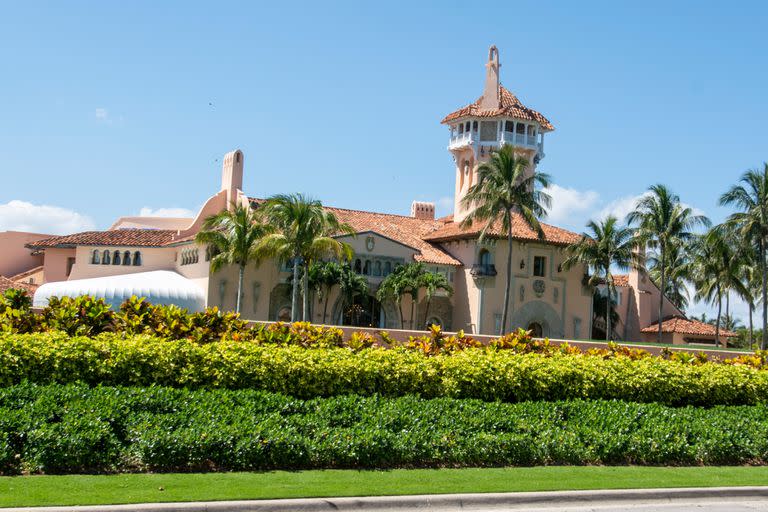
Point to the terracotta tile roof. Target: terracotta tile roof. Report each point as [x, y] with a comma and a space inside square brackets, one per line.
[7, 284]
[520, 231]
[22, 275]
[682, 325]
[621, 280]
[400, 228]
[509, 106]
[117, 237]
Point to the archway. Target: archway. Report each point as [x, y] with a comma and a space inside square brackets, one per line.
[536, 330]
[540, 313]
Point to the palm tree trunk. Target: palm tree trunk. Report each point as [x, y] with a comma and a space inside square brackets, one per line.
[413, 310]
[240, 277]
[717, 324]
[751, 327]
[305, 295]
[400, 309]
[426, 310]
[764, 339]
[325, 302]
[295, 291]
[662, 286]
[728, 306]
[507, 285]
[608, 316]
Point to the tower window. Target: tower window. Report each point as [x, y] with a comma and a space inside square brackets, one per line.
[474, 126]
[539, 266]
[461, 129]
[520, 128]
[509, 126]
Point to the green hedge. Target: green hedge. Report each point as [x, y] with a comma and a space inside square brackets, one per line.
[304, 373]
[76, 428]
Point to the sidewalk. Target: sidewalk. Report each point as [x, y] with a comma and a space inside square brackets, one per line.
[448, 502]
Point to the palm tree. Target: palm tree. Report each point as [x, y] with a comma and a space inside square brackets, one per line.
[751, 197]
[325, 275]
[505, 188]
[394, 287]
[607, 246]
[715, 269]
[234, 236]
[304, 232]
[678, 273]
[663, 221]
[351, 284]
[432, 283]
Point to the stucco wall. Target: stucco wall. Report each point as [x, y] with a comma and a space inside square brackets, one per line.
[55, 263]
[152, 258]
[14, 257]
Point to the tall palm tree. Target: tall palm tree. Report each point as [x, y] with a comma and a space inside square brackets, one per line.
[678, 273]
[505, 188]
[662, 221]
[235, 236]
[304, 232]
[432, 283]
[751, 198]
[715, 268]
[607, 246]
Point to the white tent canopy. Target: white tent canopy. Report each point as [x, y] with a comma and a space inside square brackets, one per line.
[158, 287]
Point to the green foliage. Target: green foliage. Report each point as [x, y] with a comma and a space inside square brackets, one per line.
[78, 316]
[74, 428]
[15, 312]
[512, 375]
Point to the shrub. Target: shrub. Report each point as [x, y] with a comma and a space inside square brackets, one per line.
[74, 428]
[16, 312]
[77, 316]
[472, 373]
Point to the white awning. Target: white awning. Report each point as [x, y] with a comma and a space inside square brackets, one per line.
[158, 287]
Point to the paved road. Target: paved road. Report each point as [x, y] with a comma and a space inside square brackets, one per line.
[685, 506]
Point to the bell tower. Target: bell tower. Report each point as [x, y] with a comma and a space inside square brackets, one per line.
[496, 119]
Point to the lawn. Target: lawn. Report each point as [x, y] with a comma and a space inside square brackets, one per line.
[138, 488]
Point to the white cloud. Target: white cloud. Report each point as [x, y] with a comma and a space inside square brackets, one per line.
[23, 216]
[102, 114]
[620, 208]
[571, 207]
[166, 212]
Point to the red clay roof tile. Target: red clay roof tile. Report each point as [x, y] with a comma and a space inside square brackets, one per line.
[509, 106]
[117, 237]
[682, 325]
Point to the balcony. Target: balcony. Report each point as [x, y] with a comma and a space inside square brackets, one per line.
[483, 270]
[472, 138]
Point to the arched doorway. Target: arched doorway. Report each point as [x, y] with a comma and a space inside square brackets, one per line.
[537, 331]
[365, 311]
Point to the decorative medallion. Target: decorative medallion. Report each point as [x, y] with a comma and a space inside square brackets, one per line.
[539, 287]
[370, 242]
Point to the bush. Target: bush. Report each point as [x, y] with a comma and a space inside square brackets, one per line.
[489, 375]
[74, 428]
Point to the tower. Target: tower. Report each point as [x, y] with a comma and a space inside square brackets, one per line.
[232, 175]
[497, 118]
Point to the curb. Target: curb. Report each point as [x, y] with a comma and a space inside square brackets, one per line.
[435, 501]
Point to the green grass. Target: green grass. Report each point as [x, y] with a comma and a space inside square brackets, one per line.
[27, 491]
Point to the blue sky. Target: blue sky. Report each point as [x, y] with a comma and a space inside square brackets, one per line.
[109, 108]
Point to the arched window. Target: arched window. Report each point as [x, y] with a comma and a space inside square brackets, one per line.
[509, 126]
[377, 268]
[367, 268]
[358, 266]
[387, 268]
[96, 258]
[136, 259]
[127, 258]
[474, 126]
[484, 257]
[116, 258]
[461, 129]
[105, 258]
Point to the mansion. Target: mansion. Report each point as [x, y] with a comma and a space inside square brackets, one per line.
[158, 258]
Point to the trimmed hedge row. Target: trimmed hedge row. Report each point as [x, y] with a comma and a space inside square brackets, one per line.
[75, 428]
[472, 373]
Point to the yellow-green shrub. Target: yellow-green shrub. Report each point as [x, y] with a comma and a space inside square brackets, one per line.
[472, 373]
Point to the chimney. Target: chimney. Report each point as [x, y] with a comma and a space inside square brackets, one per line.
[232, 175]
[422, 210]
